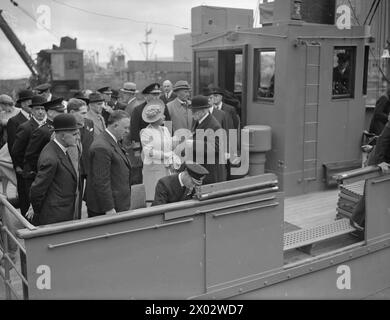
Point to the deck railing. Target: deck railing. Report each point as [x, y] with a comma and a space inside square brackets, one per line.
[8, 237]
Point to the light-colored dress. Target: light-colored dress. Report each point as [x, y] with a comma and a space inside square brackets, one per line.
[158, 157]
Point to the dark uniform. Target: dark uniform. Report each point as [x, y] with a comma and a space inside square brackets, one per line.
[169, 189]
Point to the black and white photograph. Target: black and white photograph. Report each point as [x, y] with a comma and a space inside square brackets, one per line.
[212, 150]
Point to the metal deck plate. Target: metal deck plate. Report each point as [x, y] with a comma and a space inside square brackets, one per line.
[303, 237]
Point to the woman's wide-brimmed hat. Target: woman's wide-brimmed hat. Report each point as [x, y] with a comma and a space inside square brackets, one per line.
[153, 111]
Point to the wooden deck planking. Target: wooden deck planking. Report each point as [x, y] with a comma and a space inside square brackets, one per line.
[312, 209]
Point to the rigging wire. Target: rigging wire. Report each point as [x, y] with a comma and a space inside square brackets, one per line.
[117, 17]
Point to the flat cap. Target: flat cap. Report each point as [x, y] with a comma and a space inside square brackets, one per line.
[106, 90]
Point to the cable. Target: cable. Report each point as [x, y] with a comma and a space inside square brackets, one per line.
[372, 16]
[116, 17]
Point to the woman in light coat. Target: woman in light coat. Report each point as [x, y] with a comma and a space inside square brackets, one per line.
[159, 160]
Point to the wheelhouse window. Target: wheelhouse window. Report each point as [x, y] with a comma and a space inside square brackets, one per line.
[264, 74]
[343, 80]
[206, 74]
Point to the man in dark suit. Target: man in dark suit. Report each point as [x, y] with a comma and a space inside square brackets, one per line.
[22, 139]
[216, 95]
[44, 91]
[24, 101]
[114, 103]
[79, 109]
[180, 186]
[40, 138]
[168, 95]
[381, 158]
[106, 93]
[132, 143]
[204, 123]
[54, 190]
[108, 183]
[381, 114]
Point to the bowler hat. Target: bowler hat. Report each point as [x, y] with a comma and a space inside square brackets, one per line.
[42, 87]
[105, 90]
[55, 104]
[153, 111]
[129, 87]
[195, 170]
[65, 122]
[95, 97]
[199, 102]
[24, 95]
[37, 101]
[181, 85]
[152, 88]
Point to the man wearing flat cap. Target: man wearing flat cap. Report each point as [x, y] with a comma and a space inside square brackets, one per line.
[204, 122]
[24, 101]
[133, 142]
[168, 94]
[40, 137]
[18, 151]
[96, 104]
[56, 185]
[181, 115]
[180, 186]
[44, 91]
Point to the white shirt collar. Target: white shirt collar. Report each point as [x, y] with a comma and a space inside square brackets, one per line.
[180, 180]
[204, 117]
[112, 136]
[219, 106]
[40, 123]
[60, 145]
[26, 114]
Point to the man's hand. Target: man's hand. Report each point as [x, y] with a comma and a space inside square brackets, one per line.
[30, 213]
[385, 167]
[112, 211]
[19, 170]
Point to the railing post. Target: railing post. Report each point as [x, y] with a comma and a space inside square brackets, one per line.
[23, 267]
[7, 280]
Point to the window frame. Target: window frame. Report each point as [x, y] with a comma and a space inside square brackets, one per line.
[257, 75]
[352, 77]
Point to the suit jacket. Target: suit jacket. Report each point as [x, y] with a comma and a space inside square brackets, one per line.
[181, 116]
[168, 190]
[108, 183]
[23, 136]
[217, 170]
[171, 97]
[86, 134]
[98, 122]
[380, 116]
[382, 148]
[12, 126]
[39, 139]
[53, 192]
[230, 110]
[224, 119]
[131, 105]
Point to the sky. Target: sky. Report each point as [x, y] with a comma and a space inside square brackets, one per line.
[166, 18]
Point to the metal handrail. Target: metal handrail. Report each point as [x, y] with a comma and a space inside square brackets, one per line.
[16, 214]
[356, 173]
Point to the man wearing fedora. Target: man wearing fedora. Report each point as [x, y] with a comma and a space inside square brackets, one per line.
[129, 98]
[180, 186]
[56, 185]
[168, 95]
[181, 115]
[40, 137]
[108, 183]
[96, 104]
[24, 101]
[204, 122]
[216, 95]
[133, 142]
[22, 139]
